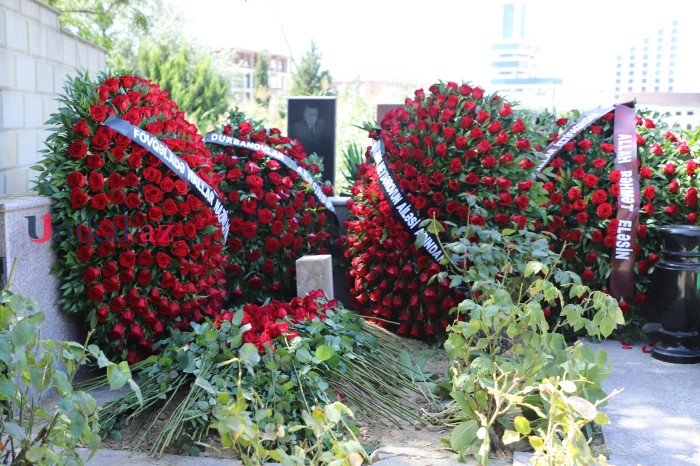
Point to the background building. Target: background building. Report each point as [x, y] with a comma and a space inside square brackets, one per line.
[515, 67]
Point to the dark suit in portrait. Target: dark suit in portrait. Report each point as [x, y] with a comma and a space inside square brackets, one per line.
[316, 134]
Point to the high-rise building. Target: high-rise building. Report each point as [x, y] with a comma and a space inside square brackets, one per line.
[660, 73]
[515, 71]
[651, 66]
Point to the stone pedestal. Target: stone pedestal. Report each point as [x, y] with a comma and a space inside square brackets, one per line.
[315, 273]
[33, 261]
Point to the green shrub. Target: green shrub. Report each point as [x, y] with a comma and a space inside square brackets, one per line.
[514, 374]
[31, 432]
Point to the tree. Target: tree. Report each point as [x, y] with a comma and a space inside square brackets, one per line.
[308, 79]
[262, 79]
[189, 79]
[104, 22]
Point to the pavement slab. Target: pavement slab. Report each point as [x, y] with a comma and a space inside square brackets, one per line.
[655, 420]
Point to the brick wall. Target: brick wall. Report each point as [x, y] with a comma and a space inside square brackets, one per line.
[36, 56]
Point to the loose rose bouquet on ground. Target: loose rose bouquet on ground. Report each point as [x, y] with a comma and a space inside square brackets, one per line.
[275, 217]
[138, 253]
[461, 156]
[584, 192]
[255, 373]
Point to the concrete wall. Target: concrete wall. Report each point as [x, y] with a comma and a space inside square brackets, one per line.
[33, 261]
[36, 56]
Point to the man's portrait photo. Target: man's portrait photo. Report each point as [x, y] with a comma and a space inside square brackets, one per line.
[312, 123]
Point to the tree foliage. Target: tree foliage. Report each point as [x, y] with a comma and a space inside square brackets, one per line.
[189, 79]
[308, 79]
[103, 22]
[262, 79]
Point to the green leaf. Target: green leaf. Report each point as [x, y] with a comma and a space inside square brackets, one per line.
[186, 361]
[237, 317]
[568, 386]
[536, 442]
[15, 431]
[510, 436]
[324, 353]
[532, 268]
[204, 384]
[463, 435]
[584, 407]
[249, 354]
[601, 418]
[118, 375]
[303, 355]
[522, 425]
[24, 332]
[78, 422]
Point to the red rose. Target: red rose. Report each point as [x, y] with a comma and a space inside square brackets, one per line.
[180, 248]
[117, 332]
[455, 165]
[692, 217]
[163, 260]
[645, 173]
[81, 128]
[555, 198]
[691, 197]
[152, 194]
[590, 181]
[587, 275]
[522, 144]
[99, 113]
[615, 176]
[582, 218]
[100, 201]
[96, 293]
[484, 146]
[574, 194]
[671, 210]
[76, 180]
[99, 141]
[599, 196]
[96, 181]
[673, 186]
[524, 185]
[591, 257]
[78, 198]
[90, 274]
[585, 144]
[77, 150]
[144, 277]
[132, 201]
[604, 210]
[109, 269]
[127, 259]
[94, 161]
[522, 202]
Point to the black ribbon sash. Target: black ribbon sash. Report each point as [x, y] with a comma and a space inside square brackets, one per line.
[625, 136]
[229, 141]
[622, 270]
[201, 189]
[404, 211]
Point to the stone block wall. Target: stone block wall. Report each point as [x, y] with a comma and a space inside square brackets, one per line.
[36, 56]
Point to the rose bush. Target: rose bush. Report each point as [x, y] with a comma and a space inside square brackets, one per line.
[138, 252]
[462, 156]
[275, 217]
